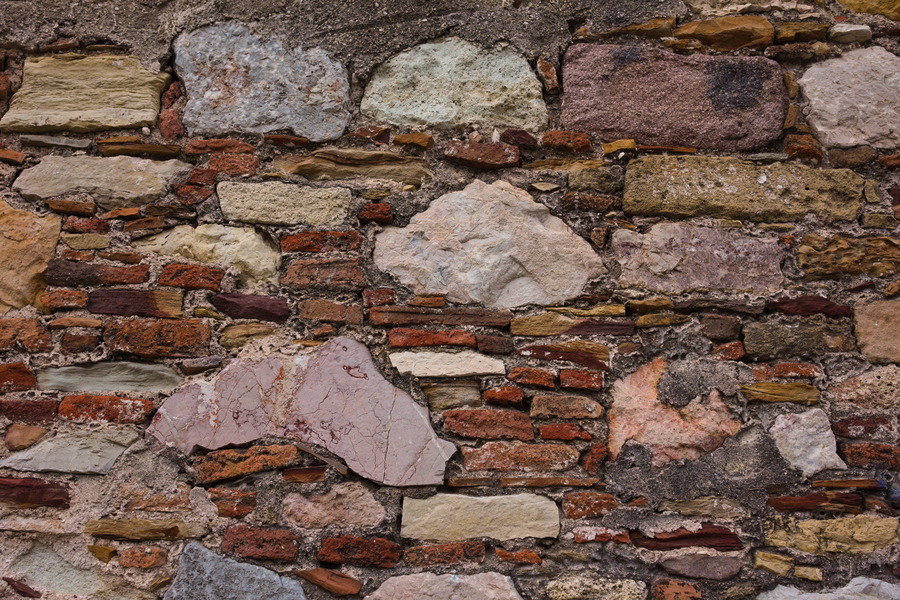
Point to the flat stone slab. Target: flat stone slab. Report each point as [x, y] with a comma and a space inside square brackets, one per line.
[581, 587]
[446, 364]
[854, 100]
[673, 258]
[109, 377]
[275, 203]
[480, 586]
[455, 517]
[806, 441]
[878, 330]
[658, 97]
[700, 186]
[721, 8]
[455, 82]
[112, 182]
[238, 81]
[859, 588]
[70, 92]
[334, 397]
[84, 452]
[27, 244]
[492, 244]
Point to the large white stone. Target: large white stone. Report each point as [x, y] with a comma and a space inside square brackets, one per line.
[86, 452]
[424, 586]
[859, 588]
[250, 252]
[855, 99]
[453, 517]
[455, 82]
[491, 244]
[275, 203]
[446, 364]
[806, 441]
[237, 81]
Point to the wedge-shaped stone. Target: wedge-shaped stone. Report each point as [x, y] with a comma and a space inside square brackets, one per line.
[114, 182]
[480, 586]
[238, 81]
[806, 441]
[70, 92]
[348, 163]
[860, 534]
[838, 256]
[702, 186]
[454, 82]
[84, 452]
[492, 244]
[274, 203]
[453, 517]
[859, 588]
[143, 529]
[446, 364]
[878, 330]
[109, 377]
[333, 397]
[27, 243]
[674, 258]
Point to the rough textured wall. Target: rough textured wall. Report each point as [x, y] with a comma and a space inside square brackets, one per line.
[543, 300]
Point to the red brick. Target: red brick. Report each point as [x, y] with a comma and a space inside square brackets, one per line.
[534, 377]
[29, 492]
[191, 195]
[322, 241]
[378, 297]
[79, 342]
[27, 334]
[376, 212]
[872, 455]
[142, 557]
[55, 300]
[594, 458]
[234, 164]
[20, 587]
[410, 338]
[204, 177]
[482, 156]
[708, 536]
[66, 273]
[127, 212]
[331, 312]
[289, 141]
[669, 589]
[83, 408]
[580, 380]
[29, 410]
[12, 157]
[444, 554]
[494, 344]
[810, 305]
[563, 431]
[130, 258]
[567, 141]
[227, 464]
[154, 338]
[797, 369]
[586, 534]
[191, 277]
[891, 161]
[340, 273]
[336, 583]
[731, 351]
[232, 503]
[261, 543]
[85, 225]
[415, 315]
[421, 140]
[224, 146]
[171, 95]
[429, 301]
[519, 557]
[488, 424]
[249, 306]
[170, 125]
[359, 552]
[516, 456]
[508, 395]
[580, 505]
[519, 137]
[139, 303]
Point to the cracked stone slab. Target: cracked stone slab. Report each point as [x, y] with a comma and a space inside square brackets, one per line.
[334, 397]
[239, 81]
[806, 441]
[275, 203]
[419, 586]
[84, 452]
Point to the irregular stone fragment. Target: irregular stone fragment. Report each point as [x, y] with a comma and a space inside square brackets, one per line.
[703, 566]
[204, 574]
[853, 99]
[275, 203]
[333, 582]
[454, 82]
[281, 86]
[250, 252]
[706, 506]
[728, 7]
[228, 464]
[565, 407]
[84, 408]
[774, 563]
[154, 338]
[860, 534]
[859, 588]
[27, 244]
[347, 504]
[454, 517]
[479, 586]
[30, 492]
[84, 452]
[661, 98]
[875, 389]
[446, 364]
[478, 155]
[359, 552]
[838, 256]
[806, 441]
[675, 258]
[692, 186]
[71, 92]
[453, 394]
[260, 542]
[729, 33]
[878, 330]
[444, 554]
[143, 529]
[246, 306]
[109, 377]
[334, 397]
[800, 393]
[116, 182]
[19, 436]
[580, 587]
[348, 163]
[491, 244]
[504, 456]
[808, 340]
[48, 571]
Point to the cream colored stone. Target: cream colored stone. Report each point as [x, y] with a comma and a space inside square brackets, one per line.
[809, 573]
[452, 517]
[446, 364]
[806, 441]
[593, 587]
[859, 588]
[27, 243]
[275, 203]
[774, 563]
[878, 330]
[860, 534]
[85, 241]
[348, 504]
[423, 586]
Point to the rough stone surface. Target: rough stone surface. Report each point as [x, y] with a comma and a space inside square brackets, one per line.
[454, 82]
[349, 163]
[113, 182]
[446, 364]
[694, 186]
[849, 535]
[674, 258]
[85, 452]
[878, 330]
[274, 203]
[839, 256]
[777, 340]
[70, 92]
[47, 570]
[335, 397]
[853, 99]
[659, 97]
[888, 8]
[27, 244]
[703, 566]
[109, 377]
[453, 517]
[419, 586]
[580, 587]
[491, 244]
[858, 588]
[806, 441]
[347, 504]
[728, 7]
[875, 389]
[280, 86]
[204, 574]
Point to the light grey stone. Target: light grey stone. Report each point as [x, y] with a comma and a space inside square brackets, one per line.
[859, 588]
[806, 441]
[113, 182]
[84, 452]
[730, 7]
[850, 33]
[204, 574]
[51, 141]
[275, 203]
[446, 364]
[238, 81]
[424, 586]
[855, 99]
[491, 244]
[582, 587]
[109, 377]
[455, 82]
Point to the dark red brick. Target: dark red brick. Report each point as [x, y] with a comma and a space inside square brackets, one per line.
[563, 431]
[428, 301]
[580, 380]
[322, 241]
[579, 357]
[171, 95]
[79, 342]
[339, 273]
[234, 164]
[519, 137]
[139, 303]
[567, 141]
[508, 395]
[516, 456]
[232, 503]
[863, 427]
[708, 536]
[154, 338]
[27, 334]
[359, 552]
[444, 554]
[85, 225]
[534, 377]
[191, 277]
[488, 424]
[594, 458]
[519, 557]
[401, 337]
[378, 297]
[29, 493]
[18, 586]
[84, 408]
[170, 125]
[580, 505]
[245, 306]
[29, 410]
[65, 273]
[191, 195]
[810, 305]
[376, 212]
[330, 312]
[204, 177]
[872, 455]
[55, 300]
[260, 543]
[495, 344]
[824, 501]
[482, 156]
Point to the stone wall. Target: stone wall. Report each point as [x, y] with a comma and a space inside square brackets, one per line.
[508, 299]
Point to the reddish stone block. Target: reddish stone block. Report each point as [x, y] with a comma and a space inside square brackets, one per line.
[378, 297]
[810, 305]
[20, 587]
[580, 505]
[331, 312]
[171, 95]
[288, 141]
[225, 146]
[444, 554]
[85, 225]
[669, 589]
[414, 315]
[567, 141]
[27, 334]
[429, 301]
[863, 427]
[730, 351]
[142, 557]
[154, 338]
[170, 125]
[144, 224]
[191, 195]
[261, 543]
[139, 303]
[232, 503]
[600, 534]
[55, 300]
[227, 464]
[410, 338]
[66, 273]
[482, 156]
[29, 493]
[245, 306]
[579, 357]
[359, 552]
[322, 241]
[376, 212]
[796, 369]
[520, 557]
[204, 177]
[83, 408]
[339, 273]
[494, 344]
[708, 536]
[872, 455]
[516, 456]
[234, 164]
[129, 258]
[563, 431]
[12, 157]
[519, 137]
[594, 458]
[488, 424]
[84, 208]
[580, 380]
[29, 410]
[508, 395]
[534, 377]
[77, 342]
[824, 501]
[191, 277]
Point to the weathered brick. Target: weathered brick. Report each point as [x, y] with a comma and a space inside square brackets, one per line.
[260, 542]
[488, 424]
[234, 164]
[85, 225]
[519, 557]
[594, 458]
[170, 125]
[67, 273]
[508, 395]
[534, 377]
[331, 312]
[494, 344]
[79, 342]
[142, 557]
[29, 492]
[563, 431]
[516, 456]
[580, 380]
[729, 351]
[232, 503]
[600, 534]
[411, 338]
[378, 297]
[669, 589]
[810, 305]
[580, 505]
[862, 427]
[29, 410]
[83, 408]
[191, 277]
[56, 300]
[872, 455]
[138, 303]
[476, 155]
[27, 334]
[322, 241]
[376, 212]
[191, 195]
[246, 306]
[158, 337]
[359, 552]
[708, 536]
[224, 146]
[16, 377]
[227, 464]
[428, 301]
[567, 141]
[339, 273]
[444, 554]
[565, 407]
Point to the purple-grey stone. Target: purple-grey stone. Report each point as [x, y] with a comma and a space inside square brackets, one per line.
[243, 306]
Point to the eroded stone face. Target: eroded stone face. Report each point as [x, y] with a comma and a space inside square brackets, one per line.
[69, 92]
[348, 504]
[860, 534]
[454, 82]
[859, 588]
[275, 203]
[109, 377]
[806, 441]
[480, 586]
[85, 452]
[27, 243]
[878, 330]
[237, 81]
[854, 99]
[875, 389]
[334, 397]
[581, 587]
[659, 97]
[491, 244]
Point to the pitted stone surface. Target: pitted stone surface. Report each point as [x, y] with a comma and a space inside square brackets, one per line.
[334, 397]
[806, 441]
[238, 81]
[658, 97]
[274, 203]
[347, 504]
[878, 330]
[674, 258]
[855, 99]
[27, 243]
[249, 251]
[453, 517]
[109, 377]
[446, 364]
[581, 587]
[859, 534]
[84, 452]
[491, 244]
[71, 92]
[427, 586]
[454, 82]
[859, 588]
[875, 389]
